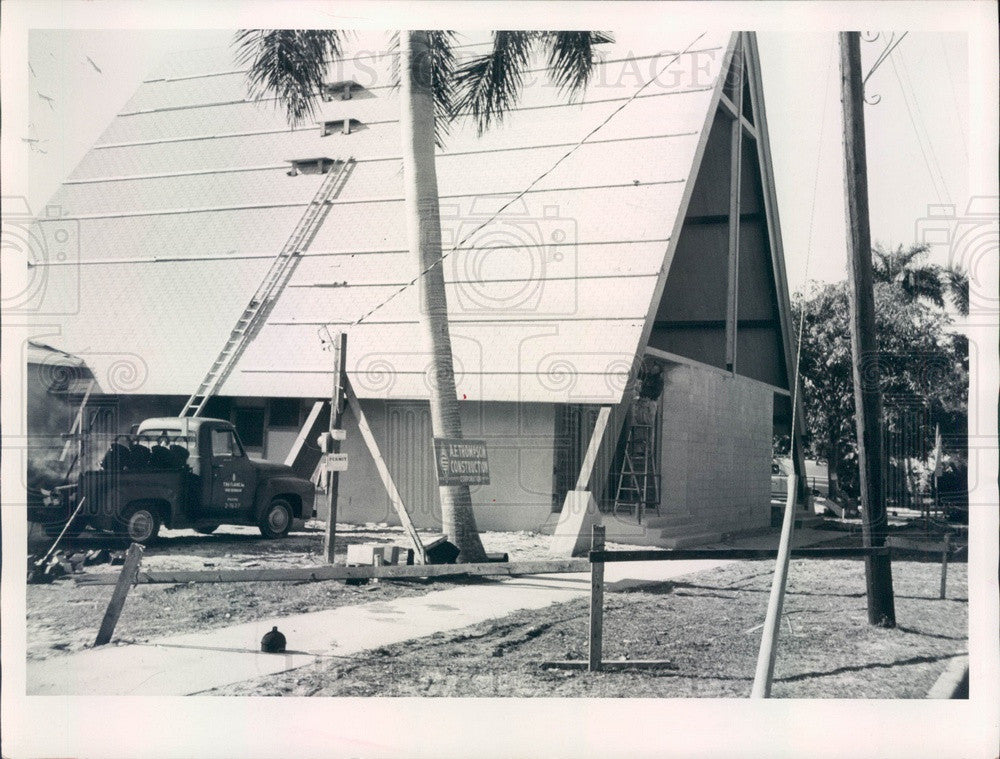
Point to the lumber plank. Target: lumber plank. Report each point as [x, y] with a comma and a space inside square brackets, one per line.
[684, 554]
[348, 573]
[383, 471]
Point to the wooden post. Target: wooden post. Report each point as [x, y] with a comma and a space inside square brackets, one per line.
[944, 565]
[764, 674]
[125, 580]
[596, 601]
[867, 398]
[336, 417]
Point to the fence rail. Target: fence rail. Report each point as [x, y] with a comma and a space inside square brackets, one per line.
[685, 554]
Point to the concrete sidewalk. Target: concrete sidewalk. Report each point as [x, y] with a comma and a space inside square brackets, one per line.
[186, 664]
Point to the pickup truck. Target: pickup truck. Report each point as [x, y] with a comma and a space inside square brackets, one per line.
[179, 472]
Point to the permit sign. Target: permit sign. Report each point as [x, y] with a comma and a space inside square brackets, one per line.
[461, 462]
[335, 462]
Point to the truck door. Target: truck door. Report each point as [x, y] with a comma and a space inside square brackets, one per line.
[233, 477]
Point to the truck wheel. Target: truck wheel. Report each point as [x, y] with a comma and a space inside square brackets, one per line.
[277, 519]
[142, 524]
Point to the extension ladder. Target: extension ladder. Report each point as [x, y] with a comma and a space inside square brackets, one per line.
[267, 293]
[638, 481]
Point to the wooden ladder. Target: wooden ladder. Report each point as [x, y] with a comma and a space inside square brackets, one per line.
[270, 288]
[638, 481]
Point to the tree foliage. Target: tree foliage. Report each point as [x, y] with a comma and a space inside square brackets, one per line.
[921, 368]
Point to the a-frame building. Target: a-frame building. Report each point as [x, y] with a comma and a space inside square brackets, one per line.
[623, 256]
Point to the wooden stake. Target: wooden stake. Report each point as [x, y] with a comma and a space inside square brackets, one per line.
[867, 398]
[764, 675]
[336, 418]
[125, 580]
[596, 602]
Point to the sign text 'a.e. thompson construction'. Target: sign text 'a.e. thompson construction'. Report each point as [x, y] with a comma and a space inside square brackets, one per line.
[461, 462]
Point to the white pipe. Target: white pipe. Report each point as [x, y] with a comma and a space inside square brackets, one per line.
[772, 622]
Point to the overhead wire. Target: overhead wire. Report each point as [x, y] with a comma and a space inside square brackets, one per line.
[907, 93]
[528, 188]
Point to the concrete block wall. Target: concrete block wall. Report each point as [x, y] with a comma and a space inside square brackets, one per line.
[715, 448]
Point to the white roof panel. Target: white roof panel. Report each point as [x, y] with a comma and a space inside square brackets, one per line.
[179, 208]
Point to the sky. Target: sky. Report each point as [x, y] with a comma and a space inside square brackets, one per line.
[917, 134]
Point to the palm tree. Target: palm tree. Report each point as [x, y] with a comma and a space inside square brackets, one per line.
[434, 90]
[917, 279]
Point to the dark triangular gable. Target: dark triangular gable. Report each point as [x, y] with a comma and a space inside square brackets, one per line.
[691, 319]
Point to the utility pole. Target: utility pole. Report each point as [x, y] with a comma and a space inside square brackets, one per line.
[332, 440]
[867, 399]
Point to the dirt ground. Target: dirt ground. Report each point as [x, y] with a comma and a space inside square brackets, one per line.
[64, 617]
[706, 625]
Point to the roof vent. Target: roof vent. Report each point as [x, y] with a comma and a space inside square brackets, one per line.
[321, 165]
[347, 89]
[341, 126]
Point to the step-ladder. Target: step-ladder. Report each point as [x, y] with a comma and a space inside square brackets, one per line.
[638, 482]
[270, 288]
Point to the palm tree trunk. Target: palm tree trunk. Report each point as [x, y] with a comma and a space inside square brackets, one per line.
[423, 226]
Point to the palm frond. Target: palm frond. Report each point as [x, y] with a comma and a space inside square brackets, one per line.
[571, 58]
[289, 64]
[924, 282]
[489, 85]
[957, 284]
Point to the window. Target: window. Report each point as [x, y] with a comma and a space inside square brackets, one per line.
[249, 424]
[284, 412]
[224, 445]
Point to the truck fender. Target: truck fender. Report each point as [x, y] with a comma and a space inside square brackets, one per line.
[292, 487]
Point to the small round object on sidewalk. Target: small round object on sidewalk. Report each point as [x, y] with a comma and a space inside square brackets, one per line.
[273, 642]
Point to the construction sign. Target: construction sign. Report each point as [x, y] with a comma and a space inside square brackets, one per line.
[461, 462]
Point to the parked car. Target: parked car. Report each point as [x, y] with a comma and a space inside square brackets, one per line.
[817, 477]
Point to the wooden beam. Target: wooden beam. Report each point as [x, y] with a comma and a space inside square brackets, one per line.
[330, 572]
[383, 471]
[616, 665]
[730, 109]
[780, 279]
[303, 433]
[593, 447]
[689, 554]
[722, 218]
[77, 421]
[735, 182]
[713, 323]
